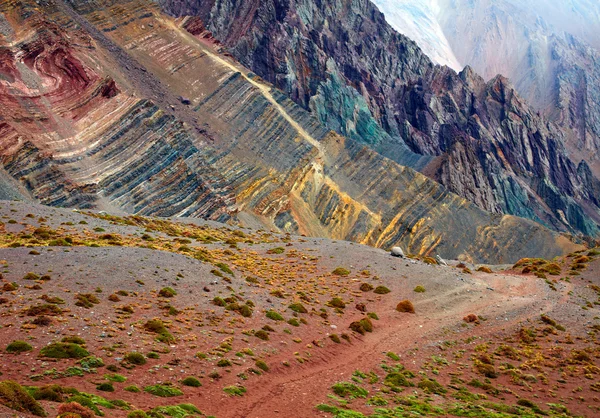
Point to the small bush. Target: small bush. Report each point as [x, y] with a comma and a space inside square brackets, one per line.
[275, 316]
[115, 377]
[73, 339]
[336, 303]
[45, 309]
[262, 334]
[164, 391]
[105, 387]
[382, 290]
[114, 298]
[31, 276]
[431, 386]
[18, 347]
[298, 307]
[74, 410]
[64, 350]
[14, 396]
[262, 365]
[132, 389]
[366, 287]
[405, 306]
[138, 413]
[234, 390]
[135, 358]
[419, 289]
[167, 292]
[349, 390]
[91, 362]
[86, 300]
[191, 381]
[224, 363]
[335, 338]
[393, 356]
[158, 327]
[340, 271]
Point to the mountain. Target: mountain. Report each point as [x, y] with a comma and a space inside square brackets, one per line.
[122, 108]
[344, 63]
[549, 50]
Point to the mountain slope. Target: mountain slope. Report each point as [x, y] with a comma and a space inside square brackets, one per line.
[119, 107]
[365, 81]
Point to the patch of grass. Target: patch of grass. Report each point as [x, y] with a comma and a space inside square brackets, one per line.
[64, 350]
[298, 307]
[366, 287]
[405, 306]
[115, 377]
[349, 390]
[18, 346]
[156, 326]
[16, 397]
[393, 356]
[105, 387]
[224, 268]
[135, 358]
[91, 362]
[262, 365]
[262, 334]
[275, 316]
[167, 292]
[382, 290]
[45, 309]
[340, 271]
[138, 413]
[176, 411]
[336, 303]
[419, 289]
[191, 381]
[164, 391]
[132, 389]
[224, 363]
[86, 300]
[31, 276]
[234, 390]
[431, 386]
[73, 339]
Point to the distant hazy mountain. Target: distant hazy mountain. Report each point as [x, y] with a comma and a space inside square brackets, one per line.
[549, 50]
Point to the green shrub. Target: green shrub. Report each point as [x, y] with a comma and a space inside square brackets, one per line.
[276, 250]
[224, 268]
[153, 355]
[397, 379]
[262, 334]
[73, 339]
[349, 390]
[132, 389]
[138, 413]
[86, 300]
[262, 365]
[336, 303]
[14, 396]
[340, 271]
[366, 287]
[64, 350]
[393, 356]
[106, 387]
[176, 411]
[419, 289]
[91, 362]
[335, 338]
[191, 381]
[224, 363]
[431, 386]
[164, 391]
[275, 316]
[31, 276]
[234, 390]
[298, 307]
[115, 377]
[167, 292]
[382, 290]
[156, 326]
[135, 358]
[18, 347]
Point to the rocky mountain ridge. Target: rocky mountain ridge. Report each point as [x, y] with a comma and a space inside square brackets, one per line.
[359, 77]
[165, 124]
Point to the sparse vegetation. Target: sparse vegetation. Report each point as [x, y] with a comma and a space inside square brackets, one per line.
[14, 396]
[381, 290]
[64, 350]
[18, 347]
[135, 358]
[191, 381]
[164, 390]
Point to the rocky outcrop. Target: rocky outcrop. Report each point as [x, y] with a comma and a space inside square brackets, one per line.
[240, 150]
[342, 61]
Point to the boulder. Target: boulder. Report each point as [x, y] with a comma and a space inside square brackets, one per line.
[397, 252]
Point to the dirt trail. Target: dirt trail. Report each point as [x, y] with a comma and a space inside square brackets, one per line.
[288, 394]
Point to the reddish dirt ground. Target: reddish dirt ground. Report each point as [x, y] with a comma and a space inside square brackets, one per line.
[303, 361]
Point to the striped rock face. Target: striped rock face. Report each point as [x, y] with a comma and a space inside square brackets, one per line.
[95, 114]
